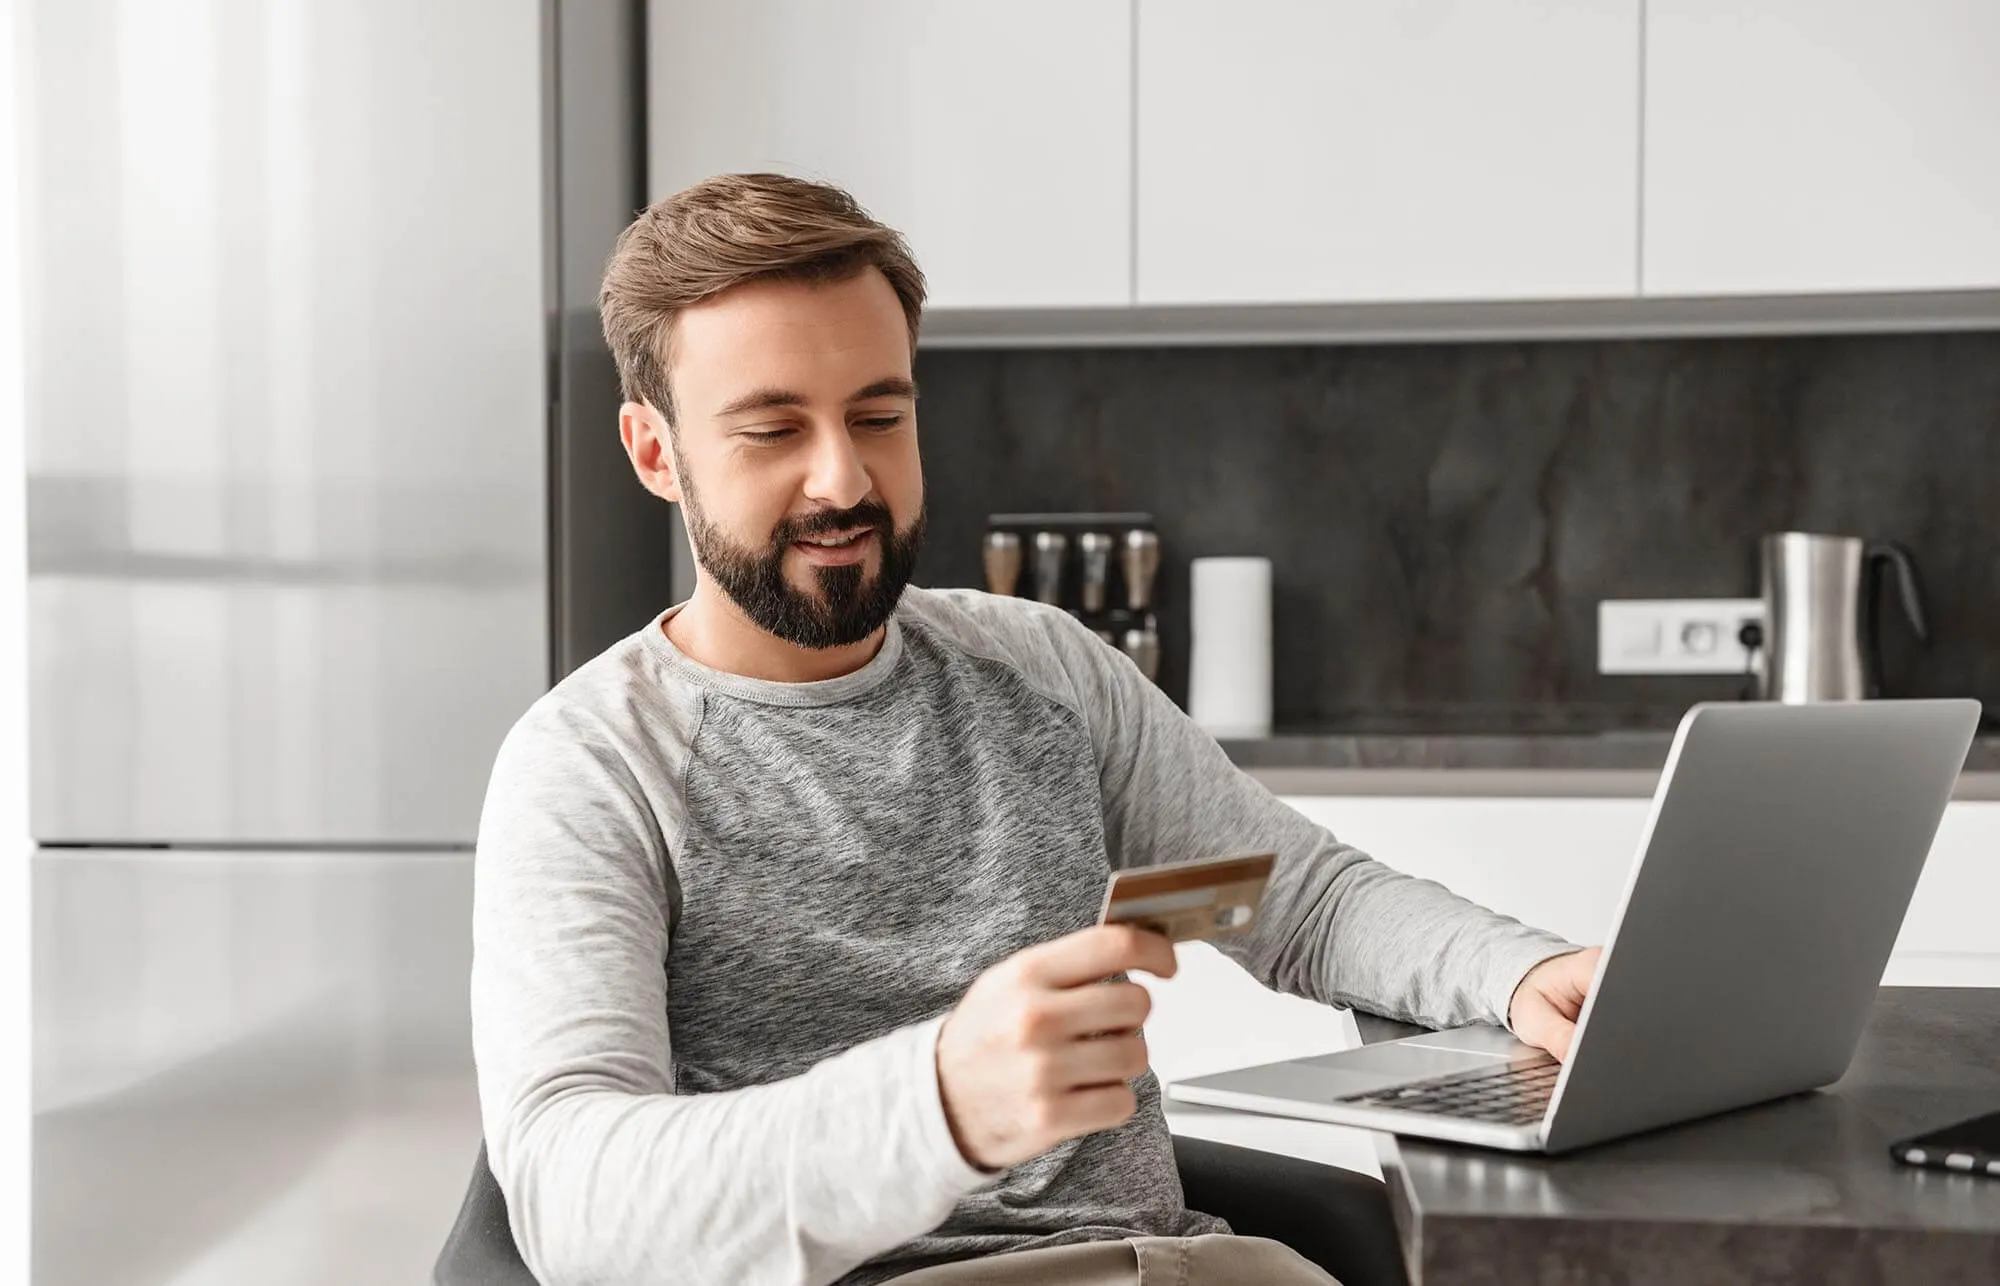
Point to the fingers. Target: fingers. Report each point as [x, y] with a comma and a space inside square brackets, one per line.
[1093, 954]
[1549, 999]
[1101, 1108]
[1111, 1061]
[1562, 981]
[1568, 981]
[1561, 1031]
[1577, 979]
[1542, 1025]
[1083, 1011]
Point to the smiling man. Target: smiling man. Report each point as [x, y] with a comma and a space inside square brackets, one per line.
[785, 967]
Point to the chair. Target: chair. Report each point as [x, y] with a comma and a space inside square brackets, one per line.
[1336, 1218]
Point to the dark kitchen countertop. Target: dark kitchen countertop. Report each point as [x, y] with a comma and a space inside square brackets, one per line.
[1555, 753]
[1801, 1189]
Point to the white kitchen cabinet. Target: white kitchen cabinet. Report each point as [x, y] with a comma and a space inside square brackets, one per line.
[1806, 146]
[1562, 865]
[1337, 151]
[995, 134]
[1558, 864]
[1949, 936]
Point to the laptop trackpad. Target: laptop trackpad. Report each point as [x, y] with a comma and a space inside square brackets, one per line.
[1481, 1040]
[1396, 1062]
[1372, 1067]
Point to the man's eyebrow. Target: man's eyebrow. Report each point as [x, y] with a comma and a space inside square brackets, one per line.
[894, 386]
[763, 399]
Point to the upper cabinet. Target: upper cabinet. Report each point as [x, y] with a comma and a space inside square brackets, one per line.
[995, 134]
[1338, 151]
[1382, 167]
[1808, 146]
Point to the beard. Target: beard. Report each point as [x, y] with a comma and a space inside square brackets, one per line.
[850, 604]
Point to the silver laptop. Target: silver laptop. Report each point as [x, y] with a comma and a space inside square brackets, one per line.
[1781, 852]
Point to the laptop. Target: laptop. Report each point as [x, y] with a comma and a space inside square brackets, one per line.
[1779, 856]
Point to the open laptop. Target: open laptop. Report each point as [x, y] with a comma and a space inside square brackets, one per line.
[1780, 854]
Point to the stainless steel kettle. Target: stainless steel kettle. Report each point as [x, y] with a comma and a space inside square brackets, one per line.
[1820, 600]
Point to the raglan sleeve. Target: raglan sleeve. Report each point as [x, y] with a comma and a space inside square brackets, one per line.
[1335, 925]
[610, 1175]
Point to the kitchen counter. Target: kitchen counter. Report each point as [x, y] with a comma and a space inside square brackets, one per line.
[1801, 1189]
[1389, 757]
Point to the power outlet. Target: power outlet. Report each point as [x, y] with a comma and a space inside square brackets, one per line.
[1675, 635]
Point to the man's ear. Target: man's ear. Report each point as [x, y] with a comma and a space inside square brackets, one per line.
[644, 433]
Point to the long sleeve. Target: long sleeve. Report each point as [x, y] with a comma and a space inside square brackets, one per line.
[1335, 926]
[610, 1176]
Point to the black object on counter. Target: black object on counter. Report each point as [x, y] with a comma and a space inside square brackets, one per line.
[1971, 1147]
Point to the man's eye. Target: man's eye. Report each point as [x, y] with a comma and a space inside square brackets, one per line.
[883, 422]
[766, 435]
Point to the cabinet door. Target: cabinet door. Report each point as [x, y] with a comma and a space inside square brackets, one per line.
[1563, 865]
[1302, 151]
[995, 134]
[1797, 146]
[1950, 936]
[1556, 864]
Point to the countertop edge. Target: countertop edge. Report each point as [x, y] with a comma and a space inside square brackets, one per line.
[1504, 783]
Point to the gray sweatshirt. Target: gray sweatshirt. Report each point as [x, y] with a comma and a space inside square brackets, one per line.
[718, 922]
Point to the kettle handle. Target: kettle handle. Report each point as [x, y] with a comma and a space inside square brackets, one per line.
[1906, 581]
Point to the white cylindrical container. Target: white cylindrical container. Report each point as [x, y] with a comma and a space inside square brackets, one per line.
[1229, 667]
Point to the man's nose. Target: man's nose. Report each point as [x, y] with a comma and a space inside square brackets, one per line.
[835, 476]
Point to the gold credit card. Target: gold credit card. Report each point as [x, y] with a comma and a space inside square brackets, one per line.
[1215, 897]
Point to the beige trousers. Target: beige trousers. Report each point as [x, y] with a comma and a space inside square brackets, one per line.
[1211, 1260]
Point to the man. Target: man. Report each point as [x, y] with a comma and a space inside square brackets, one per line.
[785, 967]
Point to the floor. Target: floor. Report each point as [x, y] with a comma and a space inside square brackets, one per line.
[372, 1207]
[249, 1067]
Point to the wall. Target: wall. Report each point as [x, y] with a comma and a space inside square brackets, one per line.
[1443, 519]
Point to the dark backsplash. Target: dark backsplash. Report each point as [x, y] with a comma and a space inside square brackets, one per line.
[1443, 519]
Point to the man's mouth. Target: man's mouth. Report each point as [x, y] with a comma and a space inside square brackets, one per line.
[836, 549]
[837, 542]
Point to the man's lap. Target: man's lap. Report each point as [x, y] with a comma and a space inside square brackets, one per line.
[1213, 1260]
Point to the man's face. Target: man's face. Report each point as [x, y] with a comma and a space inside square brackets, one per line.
[795, 453]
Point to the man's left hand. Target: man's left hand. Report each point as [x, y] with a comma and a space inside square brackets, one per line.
[1549, 997]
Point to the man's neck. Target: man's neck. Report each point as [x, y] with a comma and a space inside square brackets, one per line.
[712, 630]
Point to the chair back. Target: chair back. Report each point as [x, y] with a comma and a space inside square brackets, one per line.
[480, 1250]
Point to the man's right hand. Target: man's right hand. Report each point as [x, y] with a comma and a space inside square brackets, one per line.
[1041, 1049]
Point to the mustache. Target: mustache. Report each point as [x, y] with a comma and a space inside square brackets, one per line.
[824, 522]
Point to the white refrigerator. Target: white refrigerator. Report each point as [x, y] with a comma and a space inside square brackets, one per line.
[324, 489]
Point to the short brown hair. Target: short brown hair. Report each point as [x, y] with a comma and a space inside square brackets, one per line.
[723, 232]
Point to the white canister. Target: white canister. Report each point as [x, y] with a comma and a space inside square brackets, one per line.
[1229, 668]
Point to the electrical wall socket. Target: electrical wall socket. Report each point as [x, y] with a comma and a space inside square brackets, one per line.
[1674, 635]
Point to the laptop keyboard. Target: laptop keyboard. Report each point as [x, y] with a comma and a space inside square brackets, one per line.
[1515, 1094]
